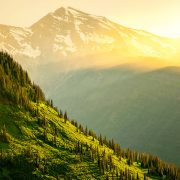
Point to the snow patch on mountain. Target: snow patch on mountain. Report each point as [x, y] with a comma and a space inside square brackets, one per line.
[78, 30]
[57, 47]
[65, 43]
[20, 33]
[2, 36]
[99, 38]
[7, 47]
[64, 18]
[25, 49]
[17, 34]
[29, 51]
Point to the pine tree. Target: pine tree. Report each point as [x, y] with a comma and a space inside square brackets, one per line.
[65, 117]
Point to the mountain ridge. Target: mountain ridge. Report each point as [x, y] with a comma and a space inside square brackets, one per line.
[68, 32]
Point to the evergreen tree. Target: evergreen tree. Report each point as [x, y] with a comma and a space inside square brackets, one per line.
[65, 117]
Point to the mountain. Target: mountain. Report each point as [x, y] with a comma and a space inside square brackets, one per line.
[39, 142]
[68, 32]
[138, 109]
[119, 81]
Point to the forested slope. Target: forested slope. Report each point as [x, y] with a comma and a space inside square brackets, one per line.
[37, 141]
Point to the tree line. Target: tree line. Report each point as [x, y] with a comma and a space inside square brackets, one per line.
[15, 84]
[17, 88]
[154, 165]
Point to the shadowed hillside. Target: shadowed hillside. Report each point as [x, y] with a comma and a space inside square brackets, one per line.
[39, 142]
[139, 109]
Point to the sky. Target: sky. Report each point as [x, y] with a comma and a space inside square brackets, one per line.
[161, 17]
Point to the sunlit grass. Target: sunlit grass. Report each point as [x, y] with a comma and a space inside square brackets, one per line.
[27, 134]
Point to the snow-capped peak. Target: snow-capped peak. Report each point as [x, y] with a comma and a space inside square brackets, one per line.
[67, 10]
[71, 32]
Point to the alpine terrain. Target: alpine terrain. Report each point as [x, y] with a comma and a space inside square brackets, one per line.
[37, 141]
[121, 82]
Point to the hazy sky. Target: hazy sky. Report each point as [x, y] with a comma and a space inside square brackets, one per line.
[157, 16]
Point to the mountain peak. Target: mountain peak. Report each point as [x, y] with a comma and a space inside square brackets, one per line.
[68, 10]
[69, 31]
[60, 11]
[76, 11]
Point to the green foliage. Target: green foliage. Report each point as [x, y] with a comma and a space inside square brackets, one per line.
[16, 86]
[39, 142]
[139, 109]
[63, 152]
[48, 147]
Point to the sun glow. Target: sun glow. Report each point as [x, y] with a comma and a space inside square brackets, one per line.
[172, 31]
[160, 17]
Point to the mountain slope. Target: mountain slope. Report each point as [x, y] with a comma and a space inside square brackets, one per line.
[68, 48]
[73, 32]
[68, 33]
[16, 87]
[37, 142]
[138, 109]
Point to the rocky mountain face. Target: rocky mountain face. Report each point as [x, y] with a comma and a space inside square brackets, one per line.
[69, 33]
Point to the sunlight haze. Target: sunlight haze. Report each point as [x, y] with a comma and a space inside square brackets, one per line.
[160, 17]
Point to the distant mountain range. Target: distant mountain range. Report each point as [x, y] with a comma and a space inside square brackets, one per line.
[115, 79]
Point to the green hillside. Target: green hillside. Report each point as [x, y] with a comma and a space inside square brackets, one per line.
[39, 142]
[138, 109]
